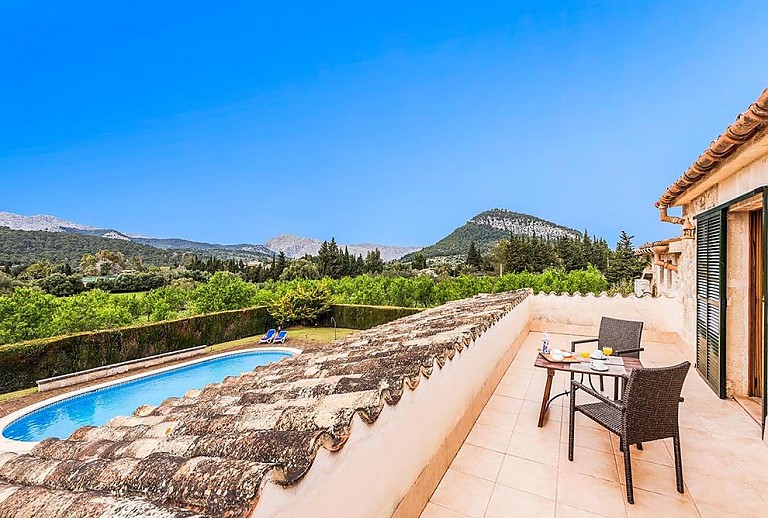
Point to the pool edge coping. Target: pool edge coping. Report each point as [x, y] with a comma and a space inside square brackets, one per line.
[21, 447]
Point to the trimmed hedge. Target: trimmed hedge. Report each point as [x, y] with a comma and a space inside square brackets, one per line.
[364, 317]
[22, 364]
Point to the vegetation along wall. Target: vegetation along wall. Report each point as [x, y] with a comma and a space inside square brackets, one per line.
[364, 317]
[23, 363]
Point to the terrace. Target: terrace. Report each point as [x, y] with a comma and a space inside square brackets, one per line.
[434, 414]
[508, 463]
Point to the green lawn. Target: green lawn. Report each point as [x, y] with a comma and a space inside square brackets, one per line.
[316, 334]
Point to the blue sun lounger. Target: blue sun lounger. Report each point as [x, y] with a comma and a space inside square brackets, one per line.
[267, 338]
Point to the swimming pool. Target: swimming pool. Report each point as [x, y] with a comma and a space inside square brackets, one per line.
[98, 405]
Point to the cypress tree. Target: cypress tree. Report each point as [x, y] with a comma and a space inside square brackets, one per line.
[474, 259]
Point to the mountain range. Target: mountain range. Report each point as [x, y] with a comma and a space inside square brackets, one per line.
[30, 238]
[292, 246]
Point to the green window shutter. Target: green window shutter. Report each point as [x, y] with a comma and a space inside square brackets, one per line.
[710, 299]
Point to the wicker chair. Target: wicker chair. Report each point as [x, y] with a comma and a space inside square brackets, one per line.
[648, 412]
[622, 335]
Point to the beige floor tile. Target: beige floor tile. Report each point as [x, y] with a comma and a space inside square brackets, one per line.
[591, 494]
[507, 502]
[529, 425]
[656, 451]
[506, 404]
[477, 461]
[546, 451]
[436, 511]
[710, 511]
[498, 418]
[566, 511]
[514, 391]
[529, 476]
[653, 505]
[489, 437]
[463, 493]
[532, 408]
[587, 437]
[654, 477]
[591, 462]
[734, 495]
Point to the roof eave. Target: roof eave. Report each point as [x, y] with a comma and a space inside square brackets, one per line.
[736, 138]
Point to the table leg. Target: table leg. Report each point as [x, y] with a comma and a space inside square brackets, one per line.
[545, 399]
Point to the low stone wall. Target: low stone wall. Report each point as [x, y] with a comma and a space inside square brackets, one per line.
[75, 378]
[580, 314]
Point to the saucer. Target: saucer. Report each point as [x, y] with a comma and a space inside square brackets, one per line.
[596, 355]
[605, 368]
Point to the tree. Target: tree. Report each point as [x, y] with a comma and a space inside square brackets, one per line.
[419, 262]
[373, 262]
[62, 285]
[624, 266]
[38, 270]
[222, 292]
[280, 265]
[300, 269]
[8, 284]
[474, 259]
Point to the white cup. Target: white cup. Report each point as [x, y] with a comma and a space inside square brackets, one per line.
[598, 364]
[558, 356]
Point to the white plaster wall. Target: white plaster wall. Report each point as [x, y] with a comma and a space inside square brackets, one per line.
[580, 315]
[406, 435]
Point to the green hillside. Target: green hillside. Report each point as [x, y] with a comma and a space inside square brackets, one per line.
[488, 228]
[457, 242]
[24, 247]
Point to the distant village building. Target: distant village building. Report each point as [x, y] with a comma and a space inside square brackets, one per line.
[716, 266]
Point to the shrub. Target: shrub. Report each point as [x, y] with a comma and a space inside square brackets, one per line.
[62, 285]
[301, 305]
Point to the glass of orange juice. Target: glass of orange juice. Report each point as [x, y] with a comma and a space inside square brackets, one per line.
[584, 354]
[607, 351]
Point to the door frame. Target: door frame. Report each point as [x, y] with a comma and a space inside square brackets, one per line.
[755, 368]
[724, 207]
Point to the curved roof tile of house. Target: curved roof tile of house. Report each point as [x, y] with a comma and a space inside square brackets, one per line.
[209, 452]
[739, 133]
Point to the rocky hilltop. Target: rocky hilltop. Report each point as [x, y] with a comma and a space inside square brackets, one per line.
[488, 228]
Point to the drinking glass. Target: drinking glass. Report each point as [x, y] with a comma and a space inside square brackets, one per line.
[584, 354]
[607, 351]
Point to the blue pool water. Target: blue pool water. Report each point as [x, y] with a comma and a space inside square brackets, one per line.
[97, 407]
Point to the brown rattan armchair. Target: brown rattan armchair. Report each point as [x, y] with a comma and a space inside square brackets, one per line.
[622, 335]
[647, 412]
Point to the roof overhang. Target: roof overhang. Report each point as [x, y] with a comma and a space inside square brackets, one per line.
[743, 142]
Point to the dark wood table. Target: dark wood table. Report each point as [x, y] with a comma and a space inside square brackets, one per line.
[552, 367]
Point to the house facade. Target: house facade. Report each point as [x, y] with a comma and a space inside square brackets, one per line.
[716, 266]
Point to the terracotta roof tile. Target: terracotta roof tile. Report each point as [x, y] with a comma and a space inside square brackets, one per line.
[735, 136]
[210, 451]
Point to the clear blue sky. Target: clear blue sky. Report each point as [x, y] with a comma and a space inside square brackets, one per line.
[390, 123]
